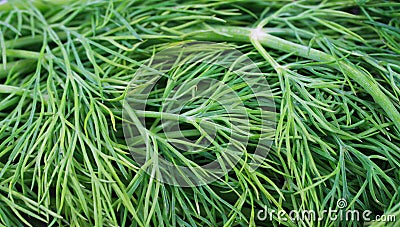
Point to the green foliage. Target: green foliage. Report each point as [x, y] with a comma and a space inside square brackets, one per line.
[333, 68]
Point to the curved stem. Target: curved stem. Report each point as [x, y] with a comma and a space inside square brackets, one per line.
[23, 66]
[40, 4]
[240, 34]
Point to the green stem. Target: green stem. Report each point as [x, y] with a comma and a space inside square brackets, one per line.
[11, 89]
[25, 54]
[21, 66]
[240, 34]
[40, 4]
[30, 41]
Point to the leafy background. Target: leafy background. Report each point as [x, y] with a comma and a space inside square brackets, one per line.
[65, 68]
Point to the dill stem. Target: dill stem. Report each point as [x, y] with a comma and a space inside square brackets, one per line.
[21, 66]
[29, 41]
[25, 54]
[240, 34]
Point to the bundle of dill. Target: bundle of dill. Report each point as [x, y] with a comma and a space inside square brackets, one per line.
[333, 69]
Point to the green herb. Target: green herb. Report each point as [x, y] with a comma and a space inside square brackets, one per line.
[333, 68]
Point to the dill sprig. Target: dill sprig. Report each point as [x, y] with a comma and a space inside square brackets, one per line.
[332, 67]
